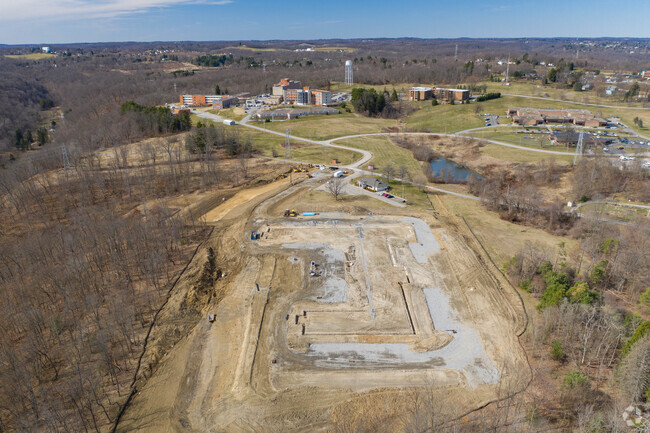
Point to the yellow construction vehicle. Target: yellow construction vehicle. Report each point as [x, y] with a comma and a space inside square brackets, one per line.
[290, 213]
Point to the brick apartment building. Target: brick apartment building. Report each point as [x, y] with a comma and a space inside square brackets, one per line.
[449, 95]
[419, 93]
[441, 94]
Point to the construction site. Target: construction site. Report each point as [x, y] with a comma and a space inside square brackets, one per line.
[329, 316]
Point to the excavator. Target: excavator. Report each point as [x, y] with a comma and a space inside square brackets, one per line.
[290, 213]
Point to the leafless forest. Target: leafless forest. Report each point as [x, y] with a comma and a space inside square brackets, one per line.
[86, 259]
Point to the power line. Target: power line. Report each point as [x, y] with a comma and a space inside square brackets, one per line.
[287, 145]
[578, 154]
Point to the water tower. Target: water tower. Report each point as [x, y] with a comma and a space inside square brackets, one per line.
[348, 73]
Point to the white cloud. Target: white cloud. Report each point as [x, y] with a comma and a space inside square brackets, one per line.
[18, 10]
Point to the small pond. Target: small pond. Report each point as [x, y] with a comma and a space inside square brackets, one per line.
[451, 171]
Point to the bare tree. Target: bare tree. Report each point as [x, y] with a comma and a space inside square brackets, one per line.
[635, 369]
[389, 171]
[335, 187]
[403, 173]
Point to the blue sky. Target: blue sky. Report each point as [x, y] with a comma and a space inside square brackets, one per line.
[61, 21]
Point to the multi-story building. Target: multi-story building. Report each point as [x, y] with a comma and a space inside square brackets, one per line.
[306, 96]
[199, 100]
[321, 97]
[297, 96]
[449, 95]
[419, 93]
[225, 102]
[192, 100]
[284, 84]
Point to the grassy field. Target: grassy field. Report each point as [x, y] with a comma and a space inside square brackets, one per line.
[539, 90]
[267, 144]
[454, 118]
[500, 238]
[328, 127]
[236, 114]
[384, 153]
[516, 155]
[520, 139]
[32, 56]
[244, 47]
[627, 117]
[338, 86]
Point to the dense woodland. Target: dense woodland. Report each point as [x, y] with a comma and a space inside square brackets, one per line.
[85, 261]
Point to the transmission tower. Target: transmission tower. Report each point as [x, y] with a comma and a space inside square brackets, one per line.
[578, 154]
[349, 73]
[287, 145]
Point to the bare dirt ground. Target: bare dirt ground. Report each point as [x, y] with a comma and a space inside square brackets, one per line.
[399, 301]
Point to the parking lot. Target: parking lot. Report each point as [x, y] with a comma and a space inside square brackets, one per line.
[490, 119]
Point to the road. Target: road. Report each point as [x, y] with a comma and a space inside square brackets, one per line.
[367, 156]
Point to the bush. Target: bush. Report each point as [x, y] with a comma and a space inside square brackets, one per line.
[645, 299]
[557, 351]
[557, 286]
[598, 272]
[574, 379]
[579, 293]
[488, 96]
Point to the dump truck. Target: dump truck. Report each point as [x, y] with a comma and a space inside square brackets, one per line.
[290, 213]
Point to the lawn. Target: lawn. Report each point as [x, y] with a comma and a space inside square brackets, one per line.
[236, 114]
[532, 89]
[32, 56]
[273, 145]
[338, 86]
[328, 127]
[454, 118]
[516, 155]
[520, 139]
[384, 153]
[627, 117]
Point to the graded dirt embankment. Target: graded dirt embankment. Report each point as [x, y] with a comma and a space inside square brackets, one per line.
[389, 305]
